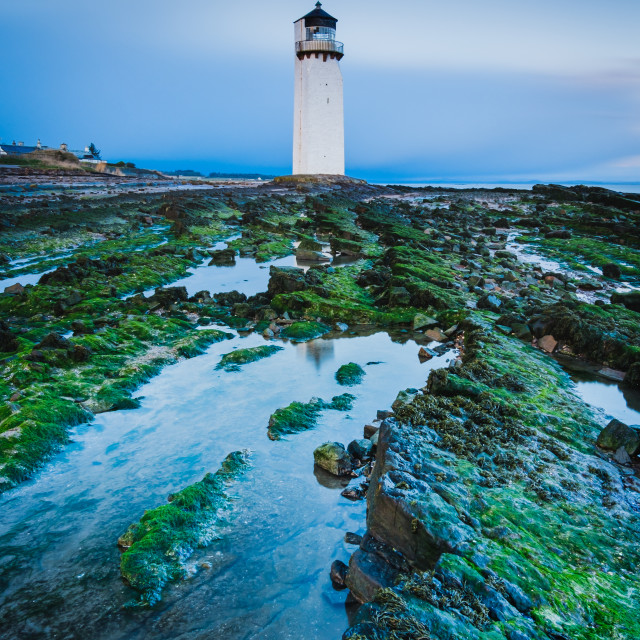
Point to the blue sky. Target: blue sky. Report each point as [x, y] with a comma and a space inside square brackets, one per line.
[457, 90]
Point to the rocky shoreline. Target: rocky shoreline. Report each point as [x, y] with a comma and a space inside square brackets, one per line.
[495, 506]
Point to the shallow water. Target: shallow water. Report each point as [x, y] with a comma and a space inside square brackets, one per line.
[614, 400]
[59, 574]
[247, 276]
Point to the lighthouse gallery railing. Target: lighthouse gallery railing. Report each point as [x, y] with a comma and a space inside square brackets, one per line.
[323, 46]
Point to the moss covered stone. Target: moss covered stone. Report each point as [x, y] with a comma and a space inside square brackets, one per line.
[233, 360]
[350, 374]
[158, 547]
[303, 331]
[300, 416]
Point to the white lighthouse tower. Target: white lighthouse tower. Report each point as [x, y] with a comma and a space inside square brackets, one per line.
[318, 121]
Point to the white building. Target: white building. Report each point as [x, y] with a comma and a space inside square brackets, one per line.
[318, 121]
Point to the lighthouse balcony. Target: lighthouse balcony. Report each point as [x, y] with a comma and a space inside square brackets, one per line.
[330, 47]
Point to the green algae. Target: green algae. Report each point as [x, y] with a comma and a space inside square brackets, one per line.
[350, 374]
[233, 360]
[301, 416]
[158, 547]
[304, 331]
[541, 526]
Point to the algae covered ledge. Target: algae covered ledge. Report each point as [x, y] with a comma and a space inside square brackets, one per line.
[157, 549]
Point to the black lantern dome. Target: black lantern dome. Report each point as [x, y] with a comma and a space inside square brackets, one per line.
[319, 18]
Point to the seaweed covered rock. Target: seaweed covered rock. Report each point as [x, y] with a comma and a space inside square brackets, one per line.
[630, 299]
[285, 280]
[617, 434]
[349, 375]
[300, 416]
[233, 360]
[473, 489]
[632, 377]
[158, 547]
[333, 457]
[223, 258]
[303, 331]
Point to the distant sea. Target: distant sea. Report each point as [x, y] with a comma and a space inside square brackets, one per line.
[625, 187]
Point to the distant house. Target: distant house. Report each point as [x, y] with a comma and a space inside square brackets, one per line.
[19, 149]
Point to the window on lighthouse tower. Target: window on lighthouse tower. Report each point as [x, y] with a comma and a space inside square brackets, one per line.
[321, 33]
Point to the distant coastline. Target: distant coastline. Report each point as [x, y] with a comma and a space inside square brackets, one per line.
[628, 187]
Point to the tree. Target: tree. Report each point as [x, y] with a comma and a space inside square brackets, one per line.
[94, 151]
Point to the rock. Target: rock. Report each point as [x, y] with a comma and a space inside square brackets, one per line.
[167, 296]
[332, 457]
[230, 298]
[617, 434]
[285, 280]
[340, 326]
[547, 343]
[53, 341]
[436, 334]
[630, 299]
[621, 456]
[360, 449]
[383, 414]
[374, 439]
[632, 378]
[367, 574]
[490, 302]
[521, 331]
[354, 493]
[338, 573]
[475, 281]
[369, 430]
[8, 342]
[420, 321]
[611, 270]
[399, 297]
[352, 538]
[404, 397]
[425, 354]
[224, 257]
[307, 255]
[14, 289]
[561, 234]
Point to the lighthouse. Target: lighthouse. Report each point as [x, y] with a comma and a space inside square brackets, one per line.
[318, 121]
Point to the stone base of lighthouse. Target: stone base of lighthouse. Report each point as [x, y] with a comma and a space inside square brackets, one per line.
[318, 136]
[317, 179]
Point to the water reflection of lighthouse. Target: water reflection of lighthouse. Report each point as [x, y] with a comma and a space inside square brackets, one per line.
[317, 351]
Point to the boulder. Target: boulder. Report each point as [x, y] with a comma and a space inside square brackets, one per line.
[369, 430]
[632, 378]
[285, 280]
[404, 397]
[224, 257]
[14, 289]
[333, 457]
[421, 320]
[561, 234]
[306, 255]
[436, 334]
[611, 270]
[360, 449]
[399, 297]
[547, 343]
[490, 302]
[630, 299]
[338, 574]
[616, 435]
[368, 573]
